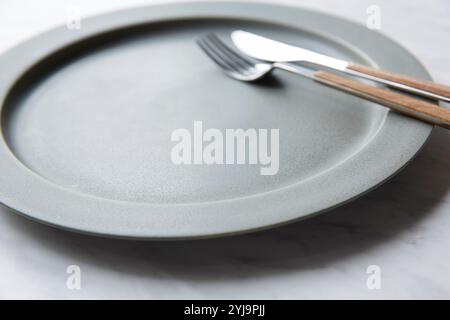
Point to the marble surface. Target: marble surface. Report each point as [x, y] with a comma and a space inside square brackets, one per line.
[402, 227]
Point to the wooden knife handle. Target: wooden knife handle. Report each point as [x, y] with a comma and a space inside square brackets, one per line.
[416, 108]
[425, 85]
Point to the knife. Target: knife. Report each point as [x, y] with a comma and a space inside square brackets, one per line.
[263, 48]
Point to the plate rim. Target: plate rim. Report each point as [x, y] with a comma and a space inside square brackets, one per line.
[112, 218]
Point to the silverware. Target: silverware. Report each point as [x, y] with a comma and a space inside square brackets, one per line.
[274, 51]
[244, 68]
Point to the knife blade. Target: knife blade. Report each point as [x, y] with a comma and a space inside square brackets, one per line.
[263, 48]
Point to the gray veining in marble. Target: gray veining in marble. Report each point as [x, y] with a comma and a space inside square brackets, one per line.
[402, 226]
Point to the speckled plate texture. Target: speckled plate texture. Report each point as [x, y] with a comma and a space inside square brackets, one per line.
[87, 116]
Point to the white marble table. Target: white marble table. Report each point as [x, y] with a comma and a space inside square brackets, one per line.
[403, 227]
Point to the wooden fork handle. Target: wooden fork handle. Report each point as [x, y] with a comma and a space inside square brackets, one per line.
[416, 108]
[424, 85]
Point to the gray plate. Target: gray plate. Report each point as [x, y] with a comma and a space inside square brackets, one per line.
[87, 117]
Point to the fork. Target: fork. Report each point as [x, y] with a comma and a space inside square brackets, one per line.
[241, 67]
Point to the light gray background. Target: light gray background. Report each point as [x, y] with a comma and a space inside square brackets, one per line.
[403, 226]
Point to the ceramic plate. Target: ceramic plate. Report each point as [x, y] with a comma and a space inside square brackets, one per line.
[87, 118]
